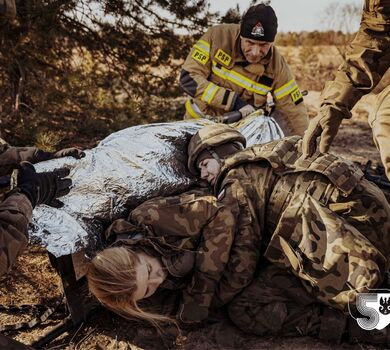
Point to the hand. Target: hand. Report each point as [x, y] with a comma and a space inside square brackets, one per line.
[42, 188]
[71, 152]
[324, 125]
[246, 110]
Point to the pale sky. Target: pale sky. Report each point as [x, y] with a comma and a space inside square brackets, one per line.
[296, 15]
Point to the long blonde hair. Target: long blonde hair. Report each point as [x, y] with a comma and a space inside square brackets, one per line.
[112, 280]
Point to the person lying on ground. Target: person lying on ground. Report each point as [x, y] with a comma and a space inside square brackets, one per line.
[336, 221]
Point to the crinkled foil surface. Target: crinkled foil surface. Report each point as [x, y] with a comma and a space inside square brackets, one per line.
[125, 169]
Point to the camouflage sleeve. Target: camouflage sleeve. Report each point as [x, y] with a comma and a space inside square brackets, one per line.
[10, 157]
[211, 227]
[366, 60]
[288, 97]
[213, 255]
[178, 216]
[196, 71]
[244, 254]
[15, 214]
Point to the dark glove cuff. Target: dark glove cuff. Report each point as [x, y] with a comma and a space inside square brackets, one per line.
[30, 191]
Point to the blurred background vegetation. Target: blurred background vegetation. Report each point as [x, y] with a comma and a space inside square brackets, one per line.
[73, 71]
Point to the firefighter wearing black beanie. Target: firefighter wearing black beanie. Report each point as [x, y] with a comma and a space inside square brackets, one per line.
[259, 23]
[237, 68]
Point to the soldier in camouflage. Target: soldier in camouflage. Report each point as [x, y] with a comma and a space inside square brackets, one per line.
[317, 217]
[199, 242]
[304, 235]
[365, 70]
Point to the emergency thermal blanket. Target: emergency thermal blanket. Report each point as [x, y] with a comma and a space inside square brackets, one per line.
[125, 169]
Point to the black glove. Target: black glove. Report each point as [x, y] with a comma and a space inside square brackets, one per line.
[42, 188]
[71, 152]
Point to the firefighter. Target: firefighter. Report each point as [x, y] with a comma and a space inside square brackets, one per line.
[237, 67]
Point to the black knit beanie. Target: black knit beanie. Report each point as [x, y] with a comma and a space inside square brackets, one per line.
[259, 23]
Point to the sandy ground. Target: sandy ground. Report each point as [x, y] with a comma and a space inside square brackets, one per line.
[33, 281]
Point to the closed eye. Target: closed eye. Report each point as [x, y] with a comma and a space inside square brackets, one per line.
[149, 267]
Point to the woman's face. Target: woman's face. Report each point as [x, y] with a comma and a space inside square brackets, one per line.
[149, 274]
[209, 169]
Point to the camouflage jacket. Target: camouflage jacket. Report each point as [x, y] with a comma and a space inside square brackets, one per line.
[218, 79]
[199, 238]
[366, 61]
[10, 156]
[16, 209]
[15, 214]
[321, 219]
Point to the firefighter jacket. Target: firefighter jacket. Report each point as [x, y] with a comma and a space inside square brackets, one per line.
[321, 220]
[218, 79]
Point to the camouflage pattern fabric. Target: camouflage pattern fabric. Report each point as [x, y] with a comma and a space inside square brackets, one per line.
[15, 214]
[276, 303]
[10, 157]
[226, 246]
[16, 209]
[379, 120]
[324, 223]
[211, 137]
[195, 229]
[216, 76]
[367, 60]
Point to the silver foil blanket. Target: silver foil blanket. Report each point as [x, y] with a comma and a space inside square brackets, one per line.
[125, 169]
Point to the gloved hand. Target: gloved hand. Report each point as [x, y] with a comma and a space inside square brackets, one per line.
[246, 110]
[72, 152]
[324, 125]
[42, 188]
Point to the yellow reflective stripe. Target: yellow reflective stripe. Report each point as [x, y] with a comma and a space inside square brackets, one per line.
[285, 89]
[191, 110]
[240, 80]
[209, 93]
[203, 46]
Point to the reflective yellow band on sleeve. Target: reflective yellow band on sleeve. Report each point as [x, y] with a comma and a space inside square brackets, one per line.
[193, 110]
[286, 89]
[203, 46]
[209, 93]
[240, 80]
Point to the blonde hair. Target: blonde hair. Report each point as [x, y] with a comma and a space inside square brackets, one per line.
[112, 280]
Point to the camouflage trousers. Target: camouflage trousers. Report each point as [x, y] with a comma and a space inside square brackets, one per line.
[276, 303]
[379, 120]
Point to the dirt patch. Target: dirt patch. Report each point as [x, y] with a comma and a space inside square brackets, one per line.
[33, 281]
